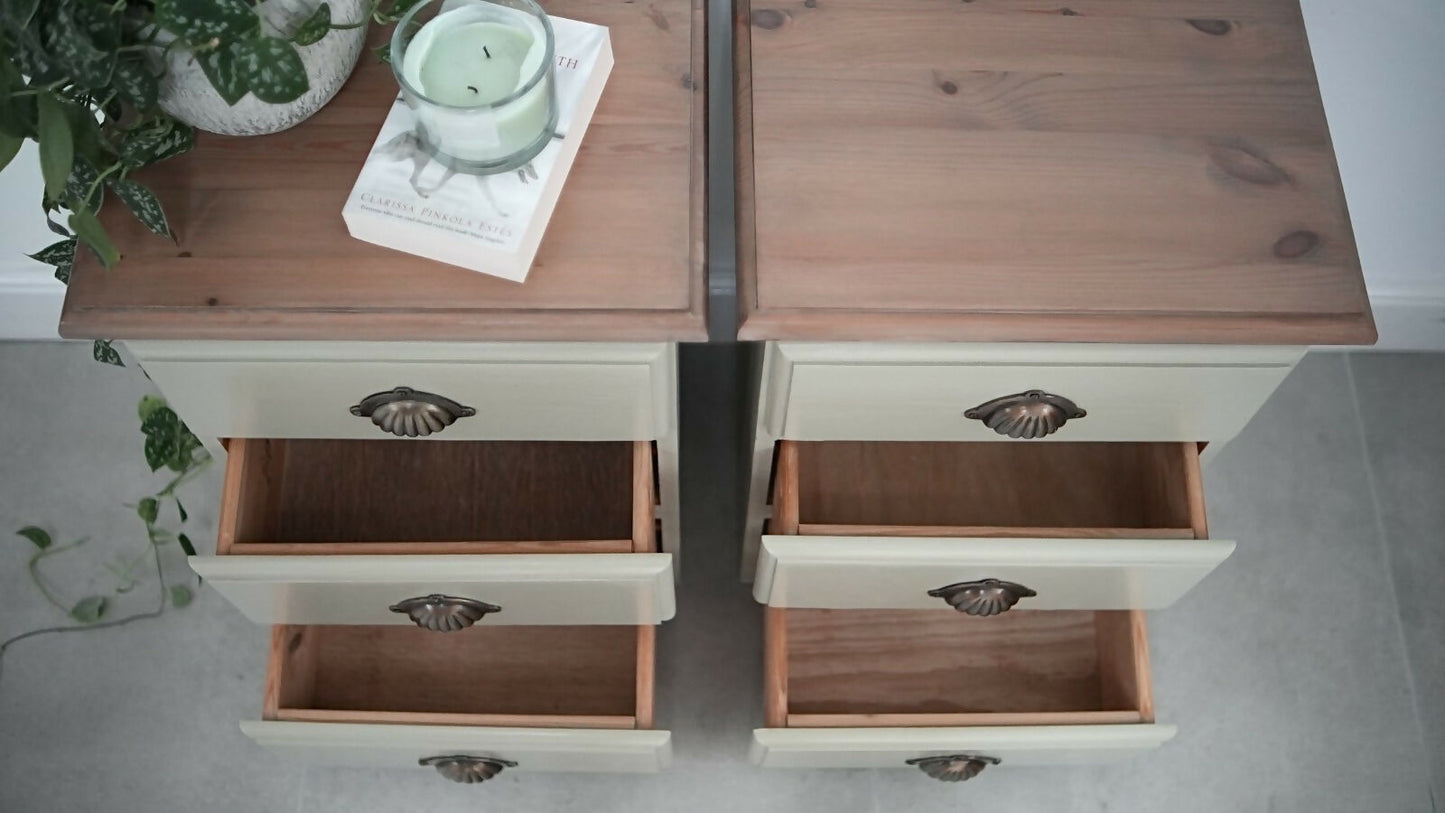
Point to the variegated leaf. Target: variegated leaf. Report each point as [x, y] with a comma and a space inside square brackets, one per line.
[104, 353]
[136, 84]
[315, 27]
[199, 22]
[143, 204]
[156, 142]
[272, 69]
[219, 66]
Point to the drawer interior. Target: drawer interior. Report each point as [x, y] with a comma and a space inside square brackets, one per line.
[1021, 489]
[573, 677]
[857, 668]
[391, 496]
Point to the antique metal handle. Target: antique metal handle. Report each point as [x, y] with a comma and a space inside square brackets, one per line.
[955, 767]
[982, 597]
[440, 613]
[409, 413]
[467, 769]
[1032, 414]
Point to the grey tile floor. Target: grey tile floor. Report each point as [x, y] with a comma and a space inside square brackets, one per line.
[1306, 674]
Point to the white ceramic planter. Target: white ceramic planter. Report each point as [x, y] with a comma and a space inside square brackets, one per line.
[187, 95]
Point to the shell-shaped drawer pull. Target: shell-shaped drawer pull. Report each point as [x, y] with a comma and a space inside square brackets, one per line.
[440, 613]
[955, 767]
[468, 770]
[982, 597]
[409, 413]
[1032, 414]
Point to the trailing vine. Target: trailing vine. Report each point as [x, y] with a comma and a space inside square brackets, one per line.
[170, 446]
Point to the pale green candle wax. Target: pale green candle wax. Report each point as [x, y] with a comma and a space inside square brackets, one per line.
[474, 64]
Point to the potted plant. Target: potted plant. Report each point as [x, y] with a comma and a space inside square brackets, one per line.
[105, 88]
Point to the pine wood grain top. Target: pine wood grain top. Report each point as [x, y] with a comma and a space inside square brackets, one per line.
[1038, 170]
[264, 253]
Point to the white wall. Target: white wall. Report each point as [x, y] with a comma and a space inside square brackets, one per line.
[30, 296]
[1382, 74]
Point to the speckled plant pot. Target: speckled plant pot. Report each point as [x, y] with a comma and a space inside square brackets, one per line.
[187, 95]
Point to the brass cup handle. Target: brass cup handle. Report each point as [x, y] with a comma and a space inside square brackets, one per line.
[1031, 414]
[466, 769]
[982, 597]
[440, 613]
[409, 413]
[954, 767]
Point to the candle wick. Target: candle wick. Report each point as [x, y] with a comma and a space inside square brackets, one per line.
[485, 51]
[472, 89]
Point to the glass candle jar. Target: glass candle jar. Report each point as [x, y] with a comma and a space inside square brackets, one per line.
[478, 76]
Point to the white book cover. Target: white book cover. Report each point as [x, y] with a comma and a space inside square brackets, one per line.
[405, 200]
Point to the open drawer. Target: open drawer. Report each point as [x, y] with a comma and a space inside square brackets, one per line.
[440, 534]
[467, 705]
[978, 526]
[887, 688]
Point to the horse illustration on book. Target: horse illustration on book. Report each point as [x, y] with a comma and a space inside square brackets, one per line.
[407, 146]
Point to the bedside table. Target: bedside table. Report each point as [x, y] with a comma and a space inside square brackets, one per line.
[413, 449]
[1010, 268]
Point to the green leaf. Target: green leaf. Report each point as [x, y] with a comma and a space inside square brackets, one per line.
[314, 28]
[81, 38]
[272, 69]
[83, 176]
[38, 536]
[162, 430]
[18, 12]
[17, 114]
[61, 255]
[9, 145]
[382, 53]
[148, 406]
[136, 84]
[161, 139]
[85, 132]
[53, 226]
[57, 147]
[56, 253]
[198, 22]
[31, 57]
[220, 67]
[181, 595]
[144, 205]
[187, 444]
[394, 12]
[89, 609]
[181, 509]
[90, 232]
[186, 544]
[148, 509]
[105, 354]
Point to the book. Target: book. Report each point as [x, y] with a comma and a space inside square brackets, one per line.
[405, 200]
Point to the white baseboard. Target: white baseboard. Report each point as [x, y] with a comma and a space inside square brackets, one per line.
[1409, 322]
[29, 305]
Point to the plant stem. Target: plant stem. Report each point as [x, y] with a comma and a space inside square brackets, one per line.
[195, 469]
[95, 184]
[35, 91]
[156, 613]
[35, 576]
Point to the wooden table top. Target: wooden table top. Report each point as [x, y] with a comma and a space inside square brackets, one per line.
[1038, 170]
[264, 253]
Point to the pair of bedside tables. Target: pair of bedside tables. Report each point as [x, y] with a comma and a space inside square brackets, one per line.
[1008, 272]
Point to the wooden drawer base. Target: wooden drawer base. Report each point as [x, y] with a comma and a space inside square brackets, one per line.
[569, 677]
[1073, 686]
[851, 668]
